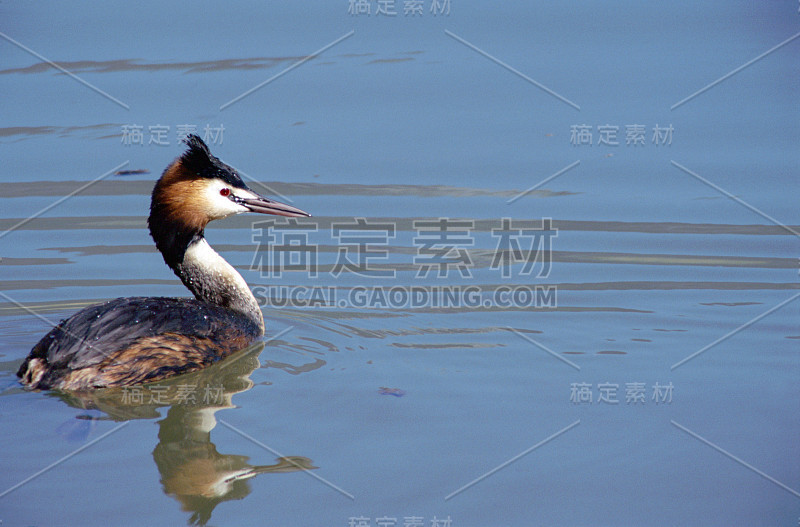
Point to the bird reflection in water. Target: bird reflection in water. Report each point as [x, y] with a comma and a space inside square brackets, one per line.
[192, 470]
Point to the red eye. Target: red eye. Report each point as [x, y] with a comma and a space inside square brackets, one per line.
[225, 191]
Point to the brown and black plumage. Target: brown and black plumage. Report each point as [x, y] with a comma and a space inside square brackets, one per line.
[144, 339]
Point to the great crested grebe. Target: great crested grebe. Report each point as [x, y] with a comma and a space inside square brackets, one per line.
[144, 339]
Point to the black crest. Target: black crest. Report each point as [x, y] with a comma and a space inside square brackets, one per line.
[199, 159]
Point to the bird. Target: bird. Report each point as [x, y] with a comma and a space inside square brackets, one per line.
[136, 340]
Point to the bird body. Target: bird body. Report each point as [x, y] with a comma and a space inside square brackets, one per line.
[144, 339]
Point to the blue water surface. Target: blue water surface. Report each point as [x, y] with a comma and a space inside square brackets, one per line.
[660, 388]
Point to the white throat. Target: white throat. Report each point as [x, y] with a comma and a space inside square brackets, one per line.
[214, 280]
